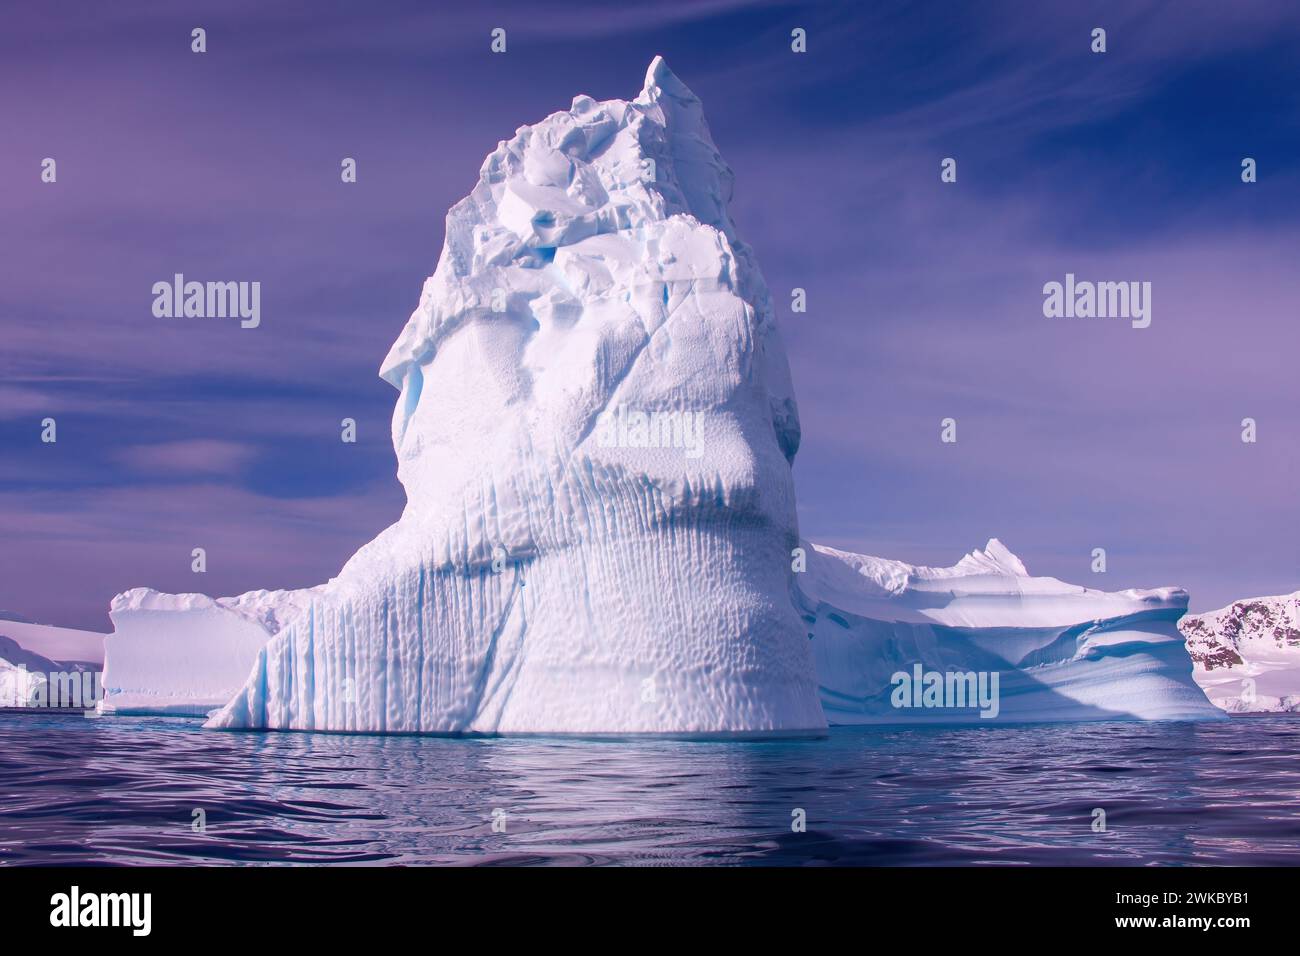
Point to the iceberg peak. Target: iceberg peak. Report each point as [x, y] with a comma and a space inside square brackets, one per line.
[659, 78]
[1001, 555]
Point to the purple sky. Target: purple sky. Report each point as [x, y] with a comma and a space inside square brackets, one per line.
[925, 298]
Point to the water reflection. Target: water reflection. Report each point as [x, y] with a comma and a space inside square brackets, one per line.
[157, 791]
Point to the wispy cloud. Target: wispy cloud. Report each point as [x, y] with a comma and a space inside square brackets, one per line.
[196, 456]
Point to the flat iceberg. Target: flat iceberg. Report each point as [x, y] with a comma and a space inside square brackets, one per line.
[1047, 650]
[53, 643]
[1247, 655]
[187, 654]
[595, 430]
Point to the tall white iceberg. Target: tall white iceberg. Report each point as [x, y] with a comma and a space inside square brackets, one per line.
[1059, 651]
[595, 432]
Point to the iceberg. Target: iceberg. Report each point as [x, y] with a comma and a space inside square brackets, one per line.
[595, 431]
[1247, 655]
[187, 654]
[22, 673]
[30, 679]
[1051, 651]
[53, 643]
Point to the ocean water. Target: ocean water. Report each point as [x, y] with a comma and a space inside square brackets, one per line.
[126, 790]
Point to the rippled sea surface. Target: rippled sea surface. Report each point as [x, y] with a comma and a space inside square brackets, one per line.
[125, 790]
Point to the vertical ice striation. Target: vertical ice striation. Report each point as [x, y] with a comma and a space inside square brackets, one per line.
[595, 432]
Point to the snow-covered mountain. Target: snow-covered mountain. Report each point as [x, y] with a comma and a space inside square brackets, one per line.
[595, 432]
[1060, 651]
[1247, 655]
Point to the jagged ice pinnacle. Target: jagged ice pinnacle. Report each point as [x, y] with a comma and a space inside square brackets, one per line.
[544, 578]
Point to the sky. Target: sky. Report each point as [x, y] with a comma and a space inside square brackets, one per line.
[925, 298]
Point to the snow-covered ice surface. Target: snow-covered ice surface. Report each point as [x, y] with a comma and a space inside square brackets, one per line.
[187, 654]
[22, 672]
[31, 654]
[1061, 652]
[1247, 655]
[55, 643]
[595, 431]
[18, 685]
[30, 679]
